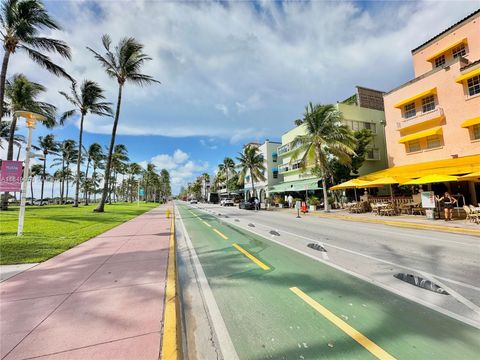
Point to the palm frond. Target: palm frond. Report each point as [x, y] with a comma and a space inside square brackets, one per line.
[45, 62]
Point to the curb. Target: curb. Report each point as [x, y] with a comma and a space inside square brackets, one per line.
[171, 340]
[404, 224]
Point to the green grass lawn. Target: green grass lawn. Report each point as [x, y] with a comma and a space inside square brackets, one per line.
[50, 230]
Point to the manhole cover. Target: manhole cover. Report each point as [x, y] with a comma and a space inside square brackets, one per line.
[317, 246]
[421, 282]
[237, 220]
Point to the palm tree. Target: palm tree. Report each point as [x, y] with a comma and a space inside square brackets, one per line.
[5, 134]
[94, 152]
[119, 158]
[22, 95]
[133, 169]
[206, 179]
[89, 100]
[68, 154]
[57, 176]
[47, 145]
[149, 179]
[251, 161]
[35, 170]
[325, 137]
[226, 167]
[123, 64]
[20, 24]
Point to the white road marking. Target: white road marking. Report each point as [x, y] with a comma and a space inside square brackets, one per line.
[454, 294]
[224, 341]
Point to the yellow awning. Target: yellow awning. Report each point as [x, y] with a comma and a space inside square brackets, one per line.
[430, 179]
[468, 75]
[473, 176]
[421, 134]
[415, 97]
[471, 122]
[388, 180]
[450, 47]
[450, 166]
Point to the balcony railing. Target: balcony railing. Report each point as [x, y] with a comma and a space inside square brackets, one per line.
[283, 149]
[434, 114]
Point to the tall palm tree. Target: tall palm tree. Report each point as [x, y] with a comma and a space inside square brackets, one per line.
[20, 24]
[57, 176]
[206, 179]
[89, 100]
[123, 64]
[35, 170]
[149, 176]
[119, 159]
[251, 161]
[94, 153]
[22, 94]
[227, 167]
[47, 145]
[325, 137]
[133, 170]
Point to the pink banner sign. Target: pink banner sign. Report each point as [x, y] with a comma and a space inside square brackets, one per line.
[11, 175]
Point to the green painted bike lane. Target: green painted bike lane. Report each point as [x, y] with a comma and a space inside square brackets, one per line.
[267, 320]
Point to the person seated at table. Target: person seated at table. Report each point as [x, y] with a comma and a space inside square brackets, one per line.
[448, 203]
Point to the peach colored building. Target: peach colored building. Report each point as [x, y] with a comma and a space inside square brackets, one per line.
[436, 115]
[426, 118]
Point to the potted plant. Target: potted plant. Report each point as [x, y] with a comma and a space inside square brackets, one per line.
[313, 202]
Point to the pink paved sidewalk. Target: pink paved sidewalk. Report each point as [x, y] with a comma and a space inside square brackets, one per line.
[100, 300]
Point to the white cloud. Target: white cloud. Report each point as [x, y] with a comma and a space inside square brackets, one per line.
[258, 65]
[180, 167]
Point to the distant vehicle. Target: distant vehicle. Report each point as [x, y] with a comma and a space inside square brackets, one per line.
[227, 202]
[247, 204]
[40, 202]
[213, 198]
[193, 201]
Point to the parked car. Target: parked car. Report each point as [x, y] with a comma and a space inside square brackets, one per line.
[40, 202]
[247, 204]
[193, 201]
[227, 202]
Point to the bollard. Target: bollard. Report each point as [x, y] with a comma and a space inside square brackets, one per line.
[167, 213]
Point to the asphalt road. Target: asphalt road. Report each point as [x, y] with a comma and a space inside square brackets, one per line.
[278, 298]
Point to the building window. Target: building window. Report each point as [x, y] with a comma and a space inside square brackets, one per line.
[413, 146]
[459, 51]
[410, 110]
[371, 126]
[296, 165]
[440, 61]
[473, 85]
[476, 132]
[275, 173]
[433, 142]
[428, 103]
[373, 154]
[274, 157]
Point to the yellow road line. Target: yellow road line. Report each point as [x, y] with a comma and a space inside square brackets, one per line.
[251, 257]
[206, 223]
[221, 234]
[354, 334]
[171, 341]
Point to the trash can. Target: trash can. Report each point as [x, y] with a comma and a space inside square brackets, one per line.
[430, 214]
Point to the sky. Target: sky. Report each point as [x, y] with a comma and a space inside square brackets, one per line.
[232, 72]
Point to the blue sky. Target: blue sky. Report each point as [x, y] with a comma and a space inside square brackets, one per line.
[234, 72]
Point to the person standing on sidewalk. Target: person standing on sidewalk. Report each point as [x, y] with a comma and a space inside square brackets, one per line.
[290, 201]
[257, 204]
[448, 203]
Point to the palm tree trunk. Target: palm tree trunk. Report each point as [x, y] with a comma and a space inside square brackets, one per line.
[53, 187]
[3, 78]
[325, 194]
[43, 177]
[85, 194]
[62, 182]
[31, 188]
[79, 159]
[67, 169]
[253, 186]
[11, 136]
[101, 205]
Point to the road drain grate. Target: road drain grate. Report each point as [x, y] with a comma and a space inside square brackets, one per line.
[421, 282]
[251, 225]
[275, 233]
[317, 246]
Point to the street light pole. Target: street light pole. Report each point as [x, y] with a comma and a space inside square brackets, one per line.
[31, 119]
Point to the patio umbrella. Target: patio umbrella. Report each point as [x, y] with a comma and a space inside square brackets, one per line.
[389, 180]
[354, 183]
[430, 179]
[475, 176]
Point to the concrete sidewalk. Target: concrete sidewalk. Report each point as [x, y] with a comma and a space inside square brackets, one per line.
[103, 299]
